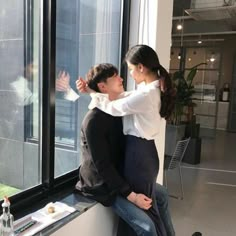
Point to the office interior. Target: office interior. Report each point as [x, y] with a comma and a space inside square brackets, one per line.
[39, 127]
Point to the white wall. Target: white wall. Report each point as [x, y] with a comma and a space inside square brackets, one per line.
[96, 221]
[151, 23]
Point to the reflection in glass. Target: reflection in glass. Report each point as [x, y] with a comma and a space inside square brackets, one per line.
[19, 87]
[206, 81]
[174, 58]
[199, 55]
[87, 33]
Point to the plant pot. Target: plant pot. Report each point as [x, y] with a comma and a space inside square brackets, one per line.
[192, 130]
[174, 133]
[193, 152]
[190, 113]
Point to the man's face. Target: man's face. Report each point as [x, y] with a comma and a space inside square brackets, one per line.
[113, 86]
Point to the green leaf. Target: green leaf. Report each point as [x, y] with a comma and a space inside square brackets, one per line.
[184, 91]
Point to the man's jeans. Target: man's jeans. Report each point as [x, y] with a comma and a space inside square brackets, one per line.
[139, 220]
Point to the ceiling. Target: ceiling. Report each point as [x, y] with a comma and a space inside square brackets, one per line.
[204, 19]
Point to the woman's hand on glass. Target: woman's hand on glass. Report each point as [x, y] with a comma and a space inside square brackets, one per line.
[63, 81]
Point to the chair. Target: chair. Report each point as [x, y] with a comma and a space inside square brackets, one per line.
[175, 162]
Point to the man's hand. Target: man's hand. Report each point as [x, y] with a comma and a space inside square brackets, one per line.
[140, 200]
[63, 81]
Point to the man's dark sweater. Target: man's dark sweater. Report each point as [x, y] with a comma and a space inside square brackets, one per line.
[102, 146]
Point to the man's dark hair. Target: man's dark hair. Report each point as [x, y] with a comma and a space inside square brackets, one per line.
[100, 73]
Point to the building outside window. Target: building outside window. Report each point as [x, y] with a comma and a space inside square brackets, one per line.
[19, 92]
[88, 32]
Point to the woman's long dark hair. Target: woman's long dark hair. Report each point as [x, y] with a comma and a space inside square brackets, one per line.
[145, 55]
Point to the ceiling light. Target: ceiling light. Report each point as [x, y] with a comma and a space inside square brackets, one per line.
[179, 27]
[212, 59]
[199, 41]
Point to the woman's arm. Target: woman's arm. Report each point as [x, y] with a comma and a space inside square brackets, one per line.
[125, 94]
[137, 102]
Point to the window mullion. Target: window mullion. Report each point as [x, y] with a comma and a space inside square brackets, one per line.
[48, 95]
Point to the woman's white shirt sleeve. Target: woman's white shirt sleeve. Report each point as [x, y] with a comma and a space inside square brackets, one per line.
[134, 102]
[140, 110]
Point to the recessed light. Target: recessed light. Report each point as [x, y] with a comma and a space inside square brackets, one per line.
[179, 27]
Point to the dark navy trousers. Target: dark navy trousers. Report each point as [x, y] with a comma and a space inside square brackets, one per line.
[140, 170]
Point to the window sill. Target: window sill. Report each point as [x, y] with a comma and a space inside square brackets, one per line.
[75, 200]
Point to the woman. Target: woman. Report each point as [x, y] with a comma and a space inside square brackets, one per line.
[142, 112]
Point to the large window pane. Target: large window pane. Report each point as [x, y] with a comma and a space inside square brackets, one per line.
[211, 56]
[88, 32]
[175, 57]
[19, 95]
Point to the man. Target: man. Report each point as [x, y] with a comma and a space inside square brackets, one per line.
[100, 173]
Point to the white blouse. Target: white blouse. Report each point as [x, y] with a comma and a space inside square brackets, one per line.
[140, 109]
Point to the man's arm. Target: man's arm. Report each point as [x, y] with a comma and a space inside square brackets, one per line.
[138, 102]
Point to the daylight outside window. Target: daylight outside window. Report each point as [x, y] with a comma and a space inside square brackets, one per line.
[87, 33]
[20, 166]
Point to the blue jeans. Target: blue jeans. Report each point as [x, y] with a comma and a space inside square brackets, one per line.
[163, 207]
[138, 220]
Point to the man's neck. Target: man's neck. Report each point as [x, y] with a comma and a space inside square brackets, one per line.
[113, 96]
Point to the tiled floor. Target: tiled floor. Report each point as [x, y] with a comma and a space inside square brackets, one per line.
[209, 204]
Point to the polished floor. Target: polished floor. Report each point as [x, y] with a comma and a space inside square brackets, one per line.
[209, 203]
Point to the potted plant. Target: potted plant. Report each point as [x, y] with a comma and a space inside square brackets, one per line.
[184, 92]
[184, 105]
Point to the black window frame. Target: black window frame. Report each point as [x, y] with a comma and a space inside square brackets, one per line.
[28, 58]
[22, 202]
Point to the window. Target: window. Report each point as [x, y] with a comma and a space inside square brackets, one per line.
[87, 33]
[20, 167]
[40, 42]
[206, 81]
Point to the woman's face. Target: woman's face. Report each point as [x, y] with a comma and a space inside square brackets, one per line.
[136, 72]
